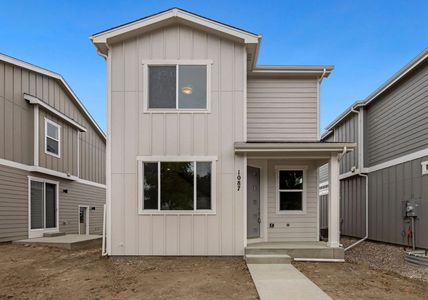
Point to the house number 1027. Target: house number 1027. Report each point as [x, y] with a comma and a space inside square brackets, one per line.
[238, 181]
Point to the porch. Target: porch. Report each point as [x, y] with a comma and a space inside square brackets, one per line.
[282, 220]
[298, 251]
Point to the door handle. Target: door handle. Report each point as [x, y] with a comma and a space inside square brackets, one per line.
[259, 220]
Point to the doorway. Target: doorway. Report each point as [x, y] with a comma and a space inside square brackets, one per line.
[83, 219]
[43, 207]
[253, 202]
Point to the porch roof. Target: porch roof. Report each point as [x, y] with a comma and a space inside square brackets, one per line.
[294, 147]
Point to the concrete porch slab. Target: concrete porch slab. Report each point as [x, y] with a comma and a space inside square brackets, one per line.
[297, 250]
[283, 281]
[68, 241]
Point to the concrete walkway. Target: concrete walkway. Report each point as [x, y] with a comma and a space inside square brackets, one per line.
[283, 281]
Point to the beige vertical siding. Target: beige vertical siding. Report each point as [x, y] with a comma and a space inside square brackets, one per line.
[302, 227]
[16, 128]
[14, 204]
[134, 132]
[282, 109]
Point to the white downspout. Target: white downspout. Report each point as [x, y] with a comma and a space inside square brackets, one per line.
[360, 167]
[105, 248]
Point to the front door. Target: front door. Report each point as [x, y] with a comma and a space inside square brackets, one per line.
[253, 202]
[83, 220]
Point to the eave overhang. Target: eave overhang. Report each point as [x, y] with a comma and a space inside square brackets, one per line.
[293, 147]
[102, 39]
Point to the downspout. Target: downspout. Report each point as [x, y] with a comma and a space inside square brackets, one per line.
[105, 224]
[359, 173]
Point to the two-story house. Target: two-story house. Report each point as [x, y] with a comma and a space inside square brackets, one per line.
[207, 152]
[389, 169]
[52, 156]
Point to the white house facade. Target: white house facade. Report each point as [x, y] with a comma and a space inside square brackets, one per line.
[207, 152]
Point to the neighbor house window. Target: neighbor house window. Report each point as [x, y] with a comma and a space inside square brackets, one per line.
[52, 138]
[424, 167]
[177, 87]
[291, 190]
[177, 185]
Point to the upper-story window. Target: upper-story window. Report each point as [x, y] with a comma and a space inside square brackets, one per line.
[175, 87]
[52, 138]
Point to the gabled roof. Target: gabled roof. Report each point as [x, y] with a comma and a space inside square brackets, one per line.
[252, 41]
[170, 16]
[390, 83]
[60, 79]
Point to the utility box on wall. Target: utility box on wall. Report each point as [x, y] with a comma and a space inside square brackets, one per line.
[410, 208]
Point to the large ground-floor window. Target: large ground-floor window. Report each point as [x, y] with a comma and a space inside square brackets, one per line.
[43, 204]
[185, 185]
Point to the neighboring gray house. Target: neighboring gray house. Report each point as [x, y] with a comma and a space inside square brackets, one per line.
[391, 129]
[207, 152]
[52, 156]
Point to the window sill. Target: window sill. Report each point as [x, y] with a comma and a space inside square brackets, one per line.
[291, 212]
[177, 212]
[52, 154]
[176, 111]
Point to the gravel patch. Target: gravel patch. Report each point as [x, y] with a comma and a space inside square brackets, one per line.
[385, 257]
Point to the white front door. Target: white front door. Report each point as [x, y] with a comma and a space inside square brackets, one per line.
[83, 220]
[43, 207]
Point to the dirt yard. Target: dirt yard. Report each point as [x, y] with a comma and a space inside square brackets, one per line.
[48, 273]
[372, 271]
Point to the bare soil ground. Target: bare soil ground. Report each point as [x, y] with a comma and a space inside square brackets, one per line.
[37, 272]
[371, 271]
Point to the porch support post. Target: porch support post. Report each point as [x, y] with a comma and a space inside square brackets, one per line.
[334, 204]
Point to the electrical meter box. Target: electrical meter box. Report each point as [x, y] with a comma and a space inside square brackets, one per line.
[410, 208]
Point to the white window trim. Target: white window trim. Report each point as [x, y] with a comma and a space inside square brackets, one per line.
[47, 121]
[147, 63]
[142, 159]
[424, 167]
[33, 233]
[304, 191]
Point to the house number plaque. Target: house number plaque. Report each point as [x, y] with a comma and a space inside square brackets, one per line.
[238, 181]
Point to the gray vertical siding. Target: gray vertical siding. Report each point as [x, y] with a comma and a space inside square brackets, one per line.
[352, 206]
[323, 210]
[14, 204]
[282, 109]
[397, 122]
[16, 128]
[347, 131]
[387, 189]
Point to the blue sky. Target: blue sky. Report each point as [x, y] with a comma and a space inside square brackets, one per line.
[367, 41]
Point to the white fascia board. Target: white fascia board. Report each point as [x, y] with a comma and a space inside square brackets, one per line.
[248, 38]
[56, 76]
[36, 101]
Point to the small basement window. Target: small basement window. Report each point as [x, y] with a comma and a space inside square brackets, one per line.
[176, 186]
[291, 191]
[52, 138]
[424, 167]
[177, 87]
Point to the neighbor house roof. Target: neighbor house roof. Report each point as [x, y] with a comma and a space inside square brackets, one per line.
[60, 79]
[252, 40]
[390, 83]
